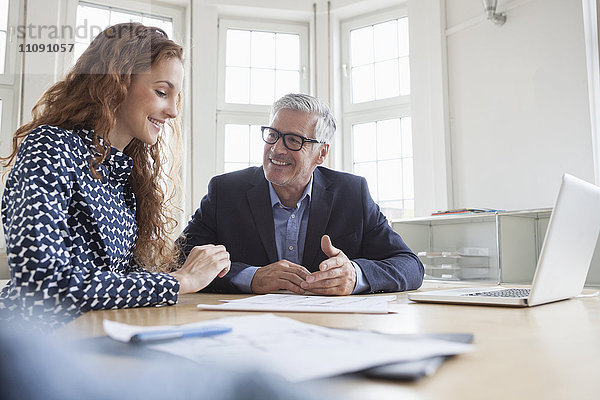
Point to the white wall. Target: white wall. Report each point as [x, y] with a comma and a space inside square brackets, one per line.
[429, 106]
[200, 154]
[518, 102]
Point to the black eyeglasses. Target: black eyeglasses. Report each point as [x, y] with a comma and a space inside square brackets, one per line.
[291, 141]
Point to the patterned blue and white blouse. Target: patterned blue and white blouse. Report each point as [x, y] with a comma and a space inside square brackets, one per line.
[70, 237]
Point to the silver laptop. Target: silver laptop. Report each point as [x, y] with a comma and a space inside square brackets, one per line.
[564, 260]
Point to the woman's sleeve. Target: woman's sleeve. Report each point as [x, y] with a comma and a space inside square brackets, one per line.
[45, 276]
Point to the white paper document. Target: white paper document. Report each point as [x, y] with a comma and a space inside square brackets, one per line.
[299, 303]
[295, 350]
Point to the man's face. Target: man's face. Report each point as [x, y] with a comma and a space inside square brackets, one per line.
[293, 169]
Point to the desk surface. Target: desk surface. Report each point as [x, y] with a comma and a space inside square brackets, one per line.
[550, 351]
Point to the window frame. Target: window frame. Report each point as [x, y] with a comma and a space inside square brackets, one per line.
[374, 110]
[10, 88]
[175, 12]
[10, 81]
[9, 118]
[361, 22]
[12, 59]
[365, 117]
[252, 114]
[226, 23]
[233, 118]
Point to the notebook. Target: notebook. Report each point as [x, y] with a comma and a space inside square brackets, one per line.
[564, 260]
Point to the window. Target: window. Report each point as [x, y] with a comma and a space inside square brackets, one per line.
[382, 153]
[258, 63]
[9, 73]
[376, 100]
[95, 18]
[3, 33]
[261, 66]
[379, 66]
[10, 63]
[244, 146]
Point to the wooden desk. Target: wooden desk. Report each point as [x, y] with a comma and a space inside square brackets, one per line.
[546, 352]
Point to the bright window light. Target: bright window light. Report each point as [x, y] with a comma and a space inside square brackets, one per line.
[260, 66]
[3, 33]
[96, 18]
[243, 146]
[379, 61]
[382, 153]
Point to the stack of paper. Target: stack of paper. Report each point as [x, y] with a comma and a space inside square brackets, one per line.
[293, 349]
[296, 303]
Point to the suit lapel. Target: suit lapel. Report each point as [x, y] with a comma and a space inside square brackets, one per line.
[260, 205]
[320, 210]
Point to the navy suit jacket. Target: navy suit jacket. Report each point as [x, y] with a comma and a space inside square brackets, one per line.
[237, 213]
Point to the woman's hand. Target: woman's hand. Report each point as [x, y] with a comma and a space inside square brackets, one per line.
[202, 266]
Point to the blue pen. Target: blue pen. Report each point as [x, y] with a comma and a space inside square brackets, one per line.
[175, 333]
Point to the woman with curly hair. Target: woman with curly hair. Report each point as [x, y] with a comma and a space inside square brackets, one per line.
[88, 204]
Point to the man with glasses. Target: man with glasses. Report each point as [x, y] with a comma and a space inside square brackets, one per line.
[296, 225]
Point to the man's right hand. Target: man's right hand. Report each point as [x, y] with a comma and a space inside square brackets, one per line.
[282, 274]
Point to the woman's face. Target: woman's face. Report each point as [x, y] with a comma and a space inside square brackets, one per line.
[150, 101]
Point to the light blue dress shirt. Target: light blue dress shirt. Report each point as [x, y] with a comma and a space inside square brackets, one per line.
[290, 236]
[290, 225]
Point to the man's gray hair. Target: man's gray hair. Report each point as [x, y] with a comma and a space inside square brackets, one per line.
[325, 128]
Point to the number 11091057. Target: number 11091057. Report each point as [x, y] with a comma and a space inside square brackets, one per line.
[46, 48]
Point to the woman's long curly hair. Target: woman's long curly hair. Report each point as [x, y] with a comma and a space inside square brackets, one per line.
[89, 96]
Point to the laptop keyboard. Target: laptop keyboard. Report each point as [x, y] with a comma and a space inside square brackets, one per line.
[502, 293]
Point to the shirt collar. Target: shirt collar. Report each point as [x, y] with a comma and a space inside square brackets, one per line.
[275, 198]
[118, 164]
